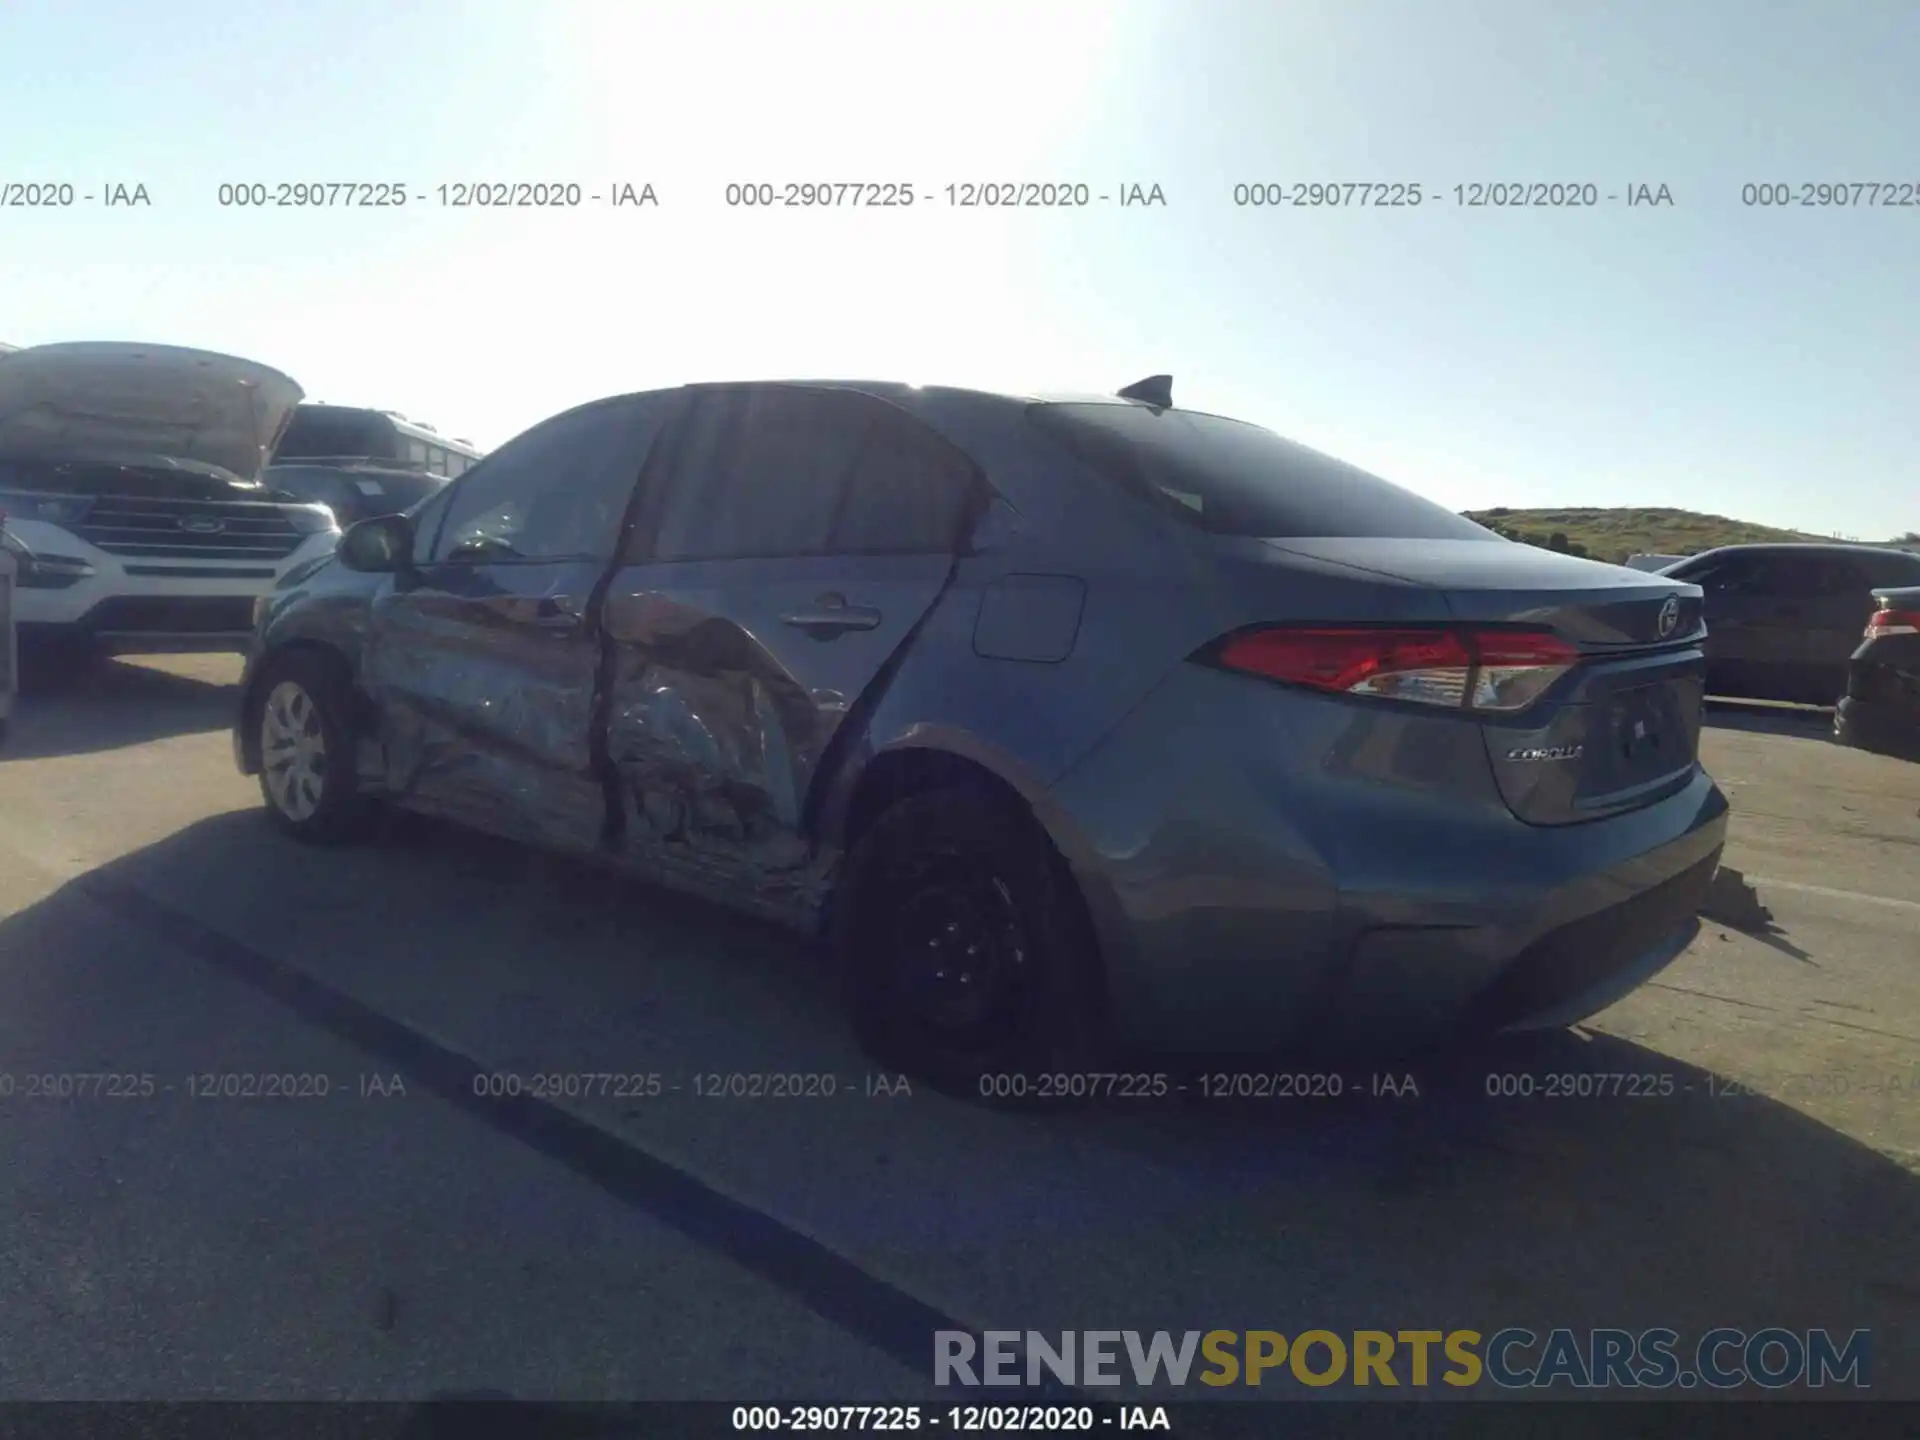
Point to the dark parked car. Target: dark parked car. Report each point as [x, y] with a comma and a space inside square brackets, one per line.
[1069, 723]
[9, 567]
[1881, 709]
[353, 490]
[1783, 620]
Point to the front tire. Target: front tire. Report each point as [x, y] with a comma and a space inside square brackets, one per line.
[308, 774]
[966, 950]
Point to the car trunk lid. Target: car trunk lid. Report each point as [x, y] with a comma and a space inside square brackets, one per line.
[1620, 729]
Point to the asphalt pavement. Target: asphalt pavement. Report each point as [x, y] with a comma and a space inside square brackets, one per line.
[383, 1225]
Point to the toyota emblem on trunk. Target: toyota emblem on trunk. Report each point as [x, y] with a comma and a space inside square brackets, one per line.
[1669, 616]
[209, 525]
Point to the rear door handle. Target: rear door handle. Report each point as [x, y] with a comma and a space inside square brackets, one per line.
[830, 615]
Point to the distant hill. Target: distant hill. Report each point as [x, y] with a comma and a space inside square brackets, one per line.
[1614, 534]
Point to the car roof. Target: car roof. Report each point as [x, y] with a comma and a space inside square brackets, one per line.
[930, 399]
[1809, 547]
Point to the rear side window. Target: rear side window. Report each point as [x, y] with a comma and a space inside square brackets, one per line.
[907, 495]
[779, 472]
[1843, 575]
[1809, 576]
[1896, 569]
[1798, 577]
[760, 475]
[1231, 478]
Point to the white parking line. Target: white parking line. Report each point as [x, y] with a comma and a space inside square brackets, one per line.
[1761, 880]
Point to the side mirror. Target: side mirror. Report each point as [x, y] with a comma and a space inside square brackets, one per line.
[382, 545]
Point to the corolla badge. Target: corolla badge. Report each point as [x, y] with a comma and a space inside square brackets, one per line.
[1546, 752]
[1669, 616]
[201, 524]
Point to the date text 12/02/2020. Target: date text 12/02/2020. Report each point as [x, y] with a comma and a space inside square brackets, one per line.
[455, 195]
[1472, 195]
[960, 1419]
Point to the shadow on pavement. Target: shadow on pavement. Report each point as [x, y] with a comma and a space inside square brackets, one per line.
[1734, 902]
[110, 704]
[1565, 1179]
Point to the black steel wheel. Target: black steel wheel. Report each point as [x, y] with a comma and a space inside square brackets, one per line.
[966, 950]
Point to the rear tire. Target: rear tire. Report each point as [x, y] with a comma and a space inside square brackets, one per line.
[965, 948]
[308, 774]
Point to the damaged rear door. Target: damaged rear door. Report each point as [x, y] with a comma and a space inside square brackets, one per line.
[483, 661]
[788, 550]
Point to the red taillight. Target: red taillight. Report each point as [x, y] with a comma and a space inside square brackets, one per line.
[1478, 669]
[1893, 622]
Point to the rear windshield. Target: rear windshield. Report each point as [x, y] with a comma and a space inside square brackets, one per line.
[316, 434]
[1232, 478]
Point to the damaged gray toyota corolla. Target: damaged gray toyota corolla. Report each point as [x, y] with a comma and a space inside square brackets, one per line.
[1070, 722]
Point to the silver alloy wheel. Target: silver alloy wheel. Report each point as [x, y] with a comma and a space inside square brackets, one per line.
[293, 750]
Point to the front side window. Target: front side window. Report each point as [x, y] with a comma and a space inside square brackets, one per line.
[559, 491]
[1725, 574]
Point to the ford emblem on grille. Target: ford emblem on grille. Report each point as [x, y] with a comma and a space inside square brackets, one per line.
[1669, 616]
[208, 525]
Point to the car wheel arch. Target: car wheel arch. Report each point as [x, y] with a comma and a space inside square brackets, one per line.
[267, 667]
[903, 771]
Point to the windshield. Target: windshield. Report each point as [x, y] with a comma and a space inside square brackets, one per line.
[1231, 478]
[321, 432]
[394, 489]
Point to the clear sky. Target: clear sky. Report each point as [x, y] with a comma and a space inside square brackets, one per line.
[1753, 361]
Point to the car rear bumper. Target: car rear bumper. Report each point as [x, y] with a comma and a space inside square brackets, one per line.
[1887, 727]
[1408, 987]
[1296, 885]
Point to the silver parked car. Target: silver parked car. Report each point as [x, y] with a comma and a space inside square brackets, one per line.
[1070, 722]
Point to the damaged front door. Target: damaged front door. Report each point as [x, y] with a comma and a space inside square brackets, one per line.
[791, 547]
[483, 662]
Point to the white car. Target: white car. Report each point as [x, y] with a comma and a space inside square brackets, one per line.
[130, 478]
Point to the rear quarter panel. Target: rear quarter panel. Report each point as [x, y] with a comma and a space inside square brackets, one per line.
[1057, 537]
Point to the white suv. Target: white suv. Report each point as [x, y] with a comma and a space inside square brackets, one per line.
[130, 478]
